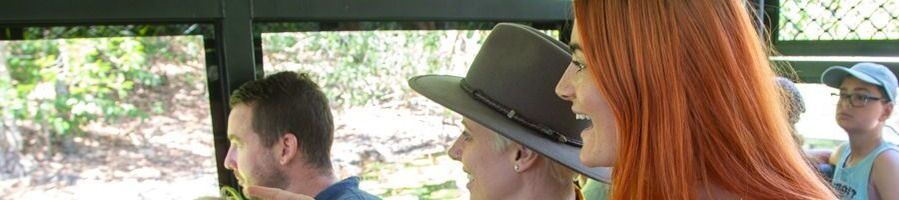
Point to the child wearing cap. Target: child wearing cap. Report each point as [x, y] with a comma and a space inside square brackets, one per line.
[869, 167]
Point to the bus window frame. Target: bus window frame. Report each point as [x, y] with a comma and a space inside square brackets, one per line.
[233, 45]
[231, 31]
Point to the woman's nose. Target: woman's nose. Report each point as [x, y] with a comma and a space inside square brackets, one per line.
[563, 87]
[455, 151]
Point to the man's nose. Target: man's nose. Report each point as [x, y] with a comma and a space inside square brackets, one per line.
[230, 162]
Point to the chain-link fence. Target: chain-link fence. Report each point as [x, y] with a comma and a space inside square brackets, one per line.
[839, 20]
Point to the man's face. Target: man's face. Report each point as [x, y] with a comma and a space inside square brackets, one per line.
[252, 163]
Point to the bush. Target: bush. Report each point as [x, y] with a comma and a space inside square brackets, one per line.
[60, 85]
[365, 68]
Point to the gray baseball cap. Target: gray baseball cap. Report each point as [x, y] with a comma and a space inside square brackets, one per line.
[875, 74]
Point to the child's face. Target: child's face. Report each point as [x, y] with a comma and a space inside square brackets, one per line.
[856, 115]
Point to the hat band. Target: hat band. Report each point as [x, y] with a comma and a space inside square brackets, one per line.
[511, 114]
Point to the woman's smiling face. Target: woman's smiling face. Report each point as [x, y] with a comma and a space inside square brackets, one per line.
[579, 87]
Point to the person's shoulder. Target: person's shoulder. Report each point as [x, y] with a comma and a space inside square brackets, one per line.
[357, 194]
[842, 147]
[346, 189]
[886, 165]
[835, 156]
[885, 173]
[888, 160]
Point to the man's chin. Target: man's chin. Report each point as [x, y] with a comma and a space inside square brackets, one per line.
[246, 194]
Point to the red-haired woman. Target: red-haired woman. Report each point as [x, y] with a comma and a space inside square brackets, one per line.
[682, 103]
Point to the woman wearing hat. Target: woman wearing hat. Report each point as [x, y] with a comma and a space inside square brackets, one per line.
[869, 167]
[520, 140]
[682, 103]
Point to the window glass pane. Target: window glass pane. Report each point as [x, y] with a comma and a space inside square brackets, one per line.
[395, 139]
[107, 118]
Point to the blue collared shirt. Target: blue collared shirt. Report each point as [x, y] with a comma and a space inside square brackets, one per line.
[347, 189]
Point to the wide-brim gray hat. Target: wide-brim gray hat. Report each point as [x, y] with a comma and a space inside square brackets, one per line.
[510, 89]
[871, 73]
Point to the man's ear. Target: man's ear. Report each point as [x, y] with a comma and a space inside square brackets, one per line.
[288, 148]
[525, 158]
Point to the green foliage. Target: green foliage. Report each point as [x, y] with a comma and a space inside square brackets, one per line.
[381, 178]
[95, 31]
[445, 190]
[813, 143]
[371, 67]
[839, 20]
[64, 84]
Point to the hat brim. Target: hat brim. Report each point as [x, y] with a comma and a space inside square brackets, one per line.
[834, 76]
[446, 91]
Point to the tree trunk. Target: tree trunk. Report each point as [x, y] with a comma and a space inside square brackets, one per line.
[10, 136]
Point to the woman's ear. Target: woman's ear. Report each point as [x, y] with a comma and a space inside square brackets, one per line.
[525, 158]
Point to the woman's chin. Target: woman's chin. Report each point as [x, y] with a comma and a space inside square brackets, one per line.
[592, 160]
[588, 160]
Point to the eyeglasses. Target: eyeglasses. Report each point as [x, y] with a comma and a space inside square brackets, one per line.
[856, 100]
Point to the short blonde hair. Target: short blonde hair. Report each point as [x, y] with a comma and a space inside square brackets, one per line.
[558, 172]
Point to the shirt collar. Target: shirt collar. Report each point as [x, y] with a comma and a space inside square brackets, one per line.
[337, 188]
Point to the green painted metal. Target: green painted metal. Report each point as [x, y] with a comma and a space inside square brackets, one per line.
[33, 12]
[810, 71]
[888, 48]
[417, 10]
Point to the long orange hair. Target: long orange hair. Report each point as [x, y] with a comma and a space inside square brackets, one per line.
[695, 101]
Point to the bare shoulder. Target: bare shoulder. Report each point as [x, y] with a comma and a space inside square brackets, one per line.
[888, 160]
[885, 174]
[835, 156]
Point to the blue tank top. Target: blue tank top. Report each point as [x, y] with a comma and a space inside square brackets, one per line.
[851, 183]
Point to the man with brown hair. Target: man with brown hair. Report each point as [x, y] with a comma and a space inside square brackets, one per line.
[281, 132]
